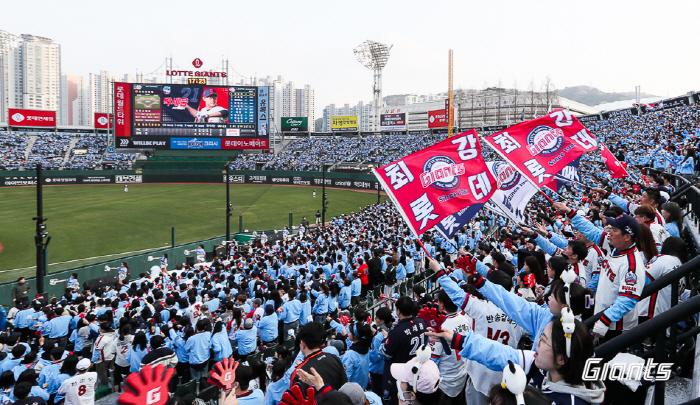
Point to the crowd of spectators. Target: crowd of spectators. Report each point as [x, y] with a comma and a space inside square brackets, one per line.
[505, 300]
[313, 152]
[654, 138]
[13, 148]
[91, 148]
[248, 161]
[50, 149]
[120, 161]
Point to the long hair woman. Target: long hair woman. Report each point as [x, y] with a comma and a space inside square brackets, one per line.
[674, 218]
[674, 253]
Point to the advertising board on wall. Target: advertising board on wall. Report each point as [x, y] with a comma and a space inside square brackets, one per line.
[32, 118]
[295, 124]
[393, 121]
[344, 123]
[103, 120]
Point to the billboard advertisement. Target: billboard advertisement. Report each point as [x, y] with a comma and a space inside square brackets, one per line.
[32, 118]
[122, 109]
[344, 123]
[295, 124]
[195, 143]
[103, 121]
[438, 119]
[244, 144]
[393, 121]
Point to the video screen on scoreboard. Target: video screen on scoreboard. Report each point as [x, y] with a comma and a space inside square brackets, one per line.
[199, 110]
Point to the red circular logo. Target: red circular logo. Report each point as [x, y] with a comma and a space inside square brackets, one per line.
[197, 63]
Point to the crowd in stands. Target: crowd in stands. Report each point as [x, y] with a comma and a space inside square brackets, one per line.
[12, 148]
[120, 161]
[652, 139]
[350, 310]
[248, 161]
[50, 150]
[313, 152]
[90, 148]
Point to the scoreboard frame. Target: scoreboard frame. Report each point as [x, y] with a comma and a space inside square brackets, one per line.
[184, 113]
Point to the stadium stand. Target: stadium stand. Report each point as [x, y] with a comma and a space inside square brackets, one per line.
[13, 149]
[358, 293]
[22, 151]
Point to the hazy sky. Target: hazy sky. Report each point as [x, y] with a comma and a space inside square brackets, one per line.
[611, 45]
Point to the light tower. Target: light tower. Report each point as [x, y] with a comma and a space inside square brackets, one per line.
[374, 55]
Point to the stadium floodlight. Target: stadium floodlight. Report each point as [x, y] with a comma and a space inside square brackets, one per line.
[374, 56]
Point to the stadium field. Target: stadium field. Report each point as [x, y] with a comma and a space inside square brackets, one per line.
[86, 221]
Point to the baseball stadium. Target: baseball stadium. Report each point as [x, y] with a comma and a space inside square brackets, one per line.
[190, 235]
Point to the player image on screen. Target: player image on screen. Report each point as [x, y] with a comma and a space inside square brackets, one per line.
[211, 111]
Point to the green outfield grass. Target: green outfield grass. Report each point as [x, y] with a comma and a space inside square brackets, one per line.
[94, 220]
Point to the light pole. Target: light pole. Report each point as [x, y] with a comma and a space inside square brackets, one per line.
[374, 56]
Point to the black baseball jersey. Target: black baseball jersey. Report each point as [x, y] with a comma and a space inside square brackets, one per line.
[404, 339]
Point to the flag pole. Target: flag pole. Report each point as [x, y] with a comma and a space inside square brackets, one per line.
[398, 208]
[574, 181]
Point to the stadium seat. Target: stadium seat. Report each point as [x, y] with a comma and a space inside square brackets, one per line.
[184, 389]
[270, 351]
[102, 391]
[289, 343]
[255, 357]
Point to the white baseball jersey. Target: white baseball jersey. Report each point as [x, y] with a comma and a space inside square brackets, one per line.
[453, 367]
[491, 322]
[593, 261]
[122, 348]
[660, 234]
[659, 301]
[622, 274]
[79, 389]
[204, 111]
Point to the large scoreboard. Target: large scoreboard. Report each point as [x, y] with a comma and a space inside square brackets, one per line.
[179, 111]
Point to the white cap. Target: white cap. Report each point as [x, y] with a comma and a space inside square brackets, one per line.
[83, 365]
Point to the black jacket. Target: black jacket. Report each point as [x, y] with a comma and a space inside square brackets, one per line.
[390, 275]
[374, 271]
[326, 365]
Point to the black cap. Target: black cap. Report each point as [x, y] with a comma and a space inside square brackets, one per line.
[625, 223]
[210, 92]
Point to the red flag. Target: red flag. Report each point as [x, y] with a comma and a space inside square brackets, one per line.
[616, 168]
[542, 147]
[434, 183]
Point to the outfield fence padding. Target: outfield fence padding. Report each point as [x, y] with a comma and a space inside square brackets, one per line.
[355, 181]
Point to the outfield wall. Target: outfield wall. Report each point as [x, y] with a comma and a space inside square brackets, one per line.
[292, 178]
[139, 263]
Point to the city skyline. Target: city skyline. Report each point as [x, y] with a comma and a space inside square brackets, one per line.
[515, 45]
